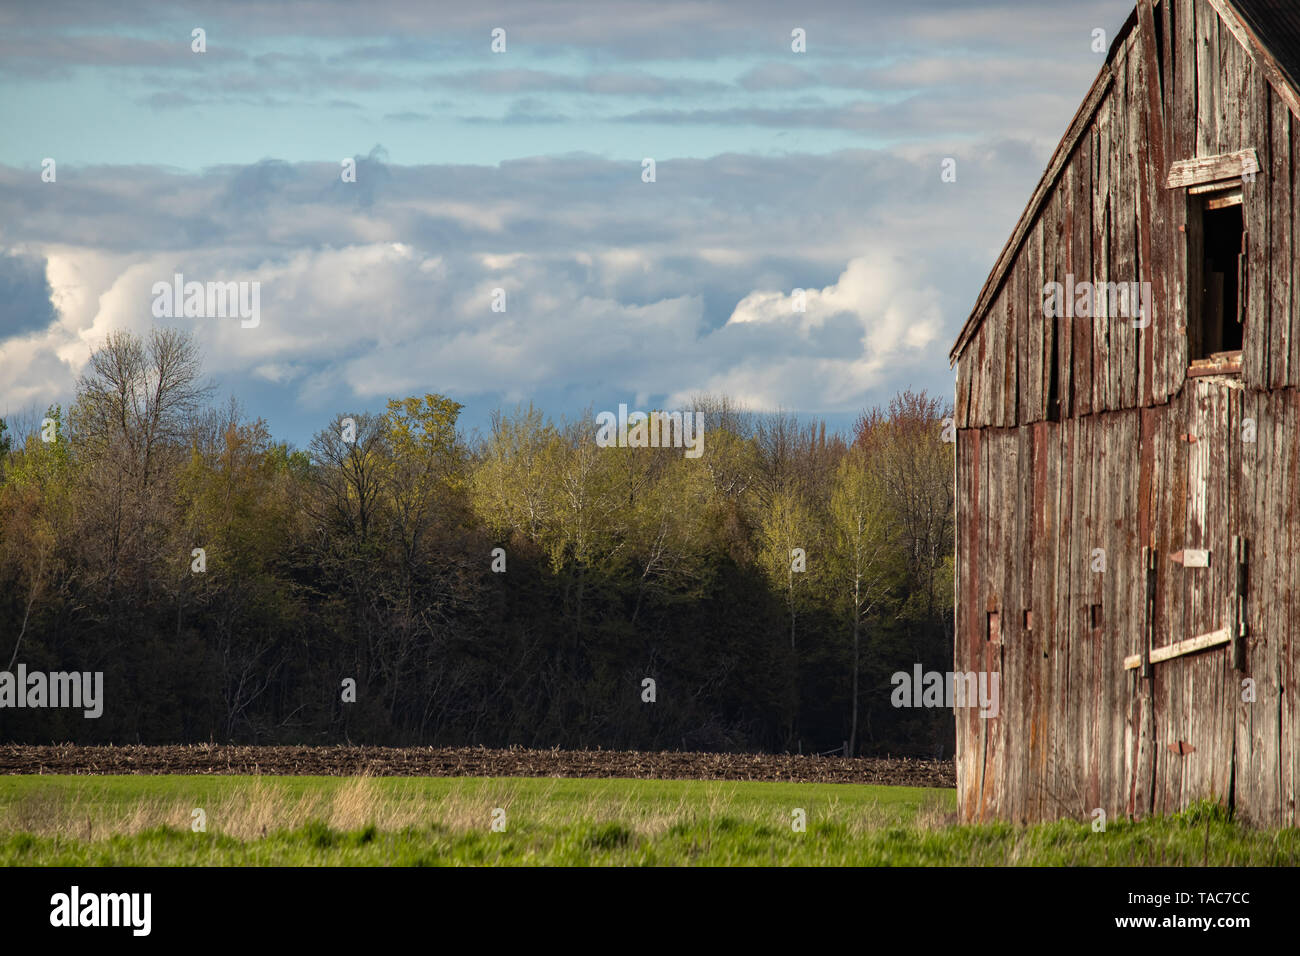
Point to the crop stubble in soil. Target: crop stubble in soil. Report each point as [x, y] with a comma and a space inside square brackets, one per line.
[472, 762]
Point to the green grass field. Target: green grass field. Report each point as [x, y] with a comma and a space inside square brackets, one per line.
[437, 821]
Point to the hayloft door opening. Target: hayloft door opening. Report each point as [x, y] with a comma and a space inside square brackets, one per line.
[1217, 261]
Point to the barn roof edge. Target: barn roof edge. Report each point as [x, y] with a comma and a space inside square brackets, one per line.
[1268, 28]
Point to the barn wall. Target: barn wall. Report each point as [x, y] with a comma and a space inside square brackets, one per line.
[1077, 731]
[1041, 488]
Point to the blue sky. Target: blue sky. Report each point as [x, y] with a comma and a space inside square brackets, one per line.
[521, 170]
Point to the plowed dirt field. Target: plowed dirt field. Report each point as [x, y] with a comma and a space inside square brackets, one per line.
[472, 762]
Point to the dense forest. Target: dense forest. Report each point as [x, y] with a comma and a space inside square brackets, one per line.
[517, 587]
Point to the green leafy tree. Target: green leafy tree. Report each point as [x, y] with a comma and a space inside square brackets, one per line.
[509, 483]
[788, 551]
[864, 555]
[427, 476]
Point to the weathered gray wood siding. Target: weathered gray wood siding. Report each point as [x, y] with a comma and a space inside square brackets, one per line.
[1040, 490]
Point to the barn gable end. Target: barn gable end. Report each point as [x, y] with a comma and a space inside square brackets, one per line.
[1101, 459]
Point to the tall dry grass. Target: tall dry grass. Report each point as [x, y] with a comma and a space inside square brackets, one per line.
[246, 811]
[254, 808]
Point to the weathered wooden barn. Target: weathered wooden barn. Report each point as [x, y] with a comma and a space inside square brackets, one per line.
[1128, 480]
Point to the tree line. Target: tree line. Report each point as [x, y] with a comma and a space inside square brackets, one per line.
[520, 587]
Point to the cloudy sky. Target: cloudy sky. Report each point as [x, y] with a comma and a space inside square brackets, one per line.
[522, 170]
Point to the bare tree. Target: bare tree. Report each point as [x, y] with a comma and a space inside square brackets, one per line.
[134, 407]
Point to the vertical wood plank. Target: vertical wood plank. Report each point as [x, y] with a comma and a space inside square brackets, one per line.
[1288, 645]
[1064, 741]
[1082, 348]
[1255, 209]
[1207, 76]
[1122, 323]
[1228, 90]
[1279, 256]
[998, 324]
[1065, 266]
[1183, 137]
[1293, 311]
[1032, 304]
[1186, 85]
[1245, 761]
[1026, 321]
[1118, 213]
[1152, 217]
[1101, 224]
[1051, 327]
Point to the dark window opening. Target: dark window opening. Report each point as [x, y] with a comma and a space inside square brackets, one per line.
[1094, 616]
[1218, 254]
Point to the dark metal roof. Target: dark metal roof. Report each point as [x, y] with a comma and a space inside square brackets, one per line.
[1277, 25]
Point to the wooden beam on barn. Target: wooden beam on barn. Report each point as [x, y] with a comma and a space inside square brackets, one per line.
[1179, 648]
[1220, 363]
[1224, 199]
[1212, 169]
